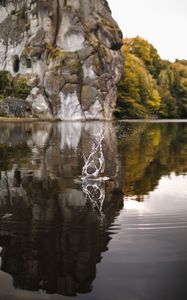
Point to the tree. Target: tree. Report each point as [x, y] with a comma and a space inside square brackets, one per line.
[151, 87]
[138, 96]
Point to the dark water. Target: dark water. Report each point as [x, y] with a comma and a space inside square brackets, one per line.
[93, 211]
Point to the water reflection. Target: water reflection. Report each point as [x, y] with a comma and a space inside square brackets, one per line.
[63, 186]
[148, 152]
[56, 204]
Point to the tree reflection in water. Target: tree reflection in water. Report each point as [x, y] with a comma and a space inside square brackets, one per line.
[149, 151]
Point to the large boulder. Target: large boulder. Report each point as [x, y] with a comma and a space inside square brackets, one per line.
[71, 47]
[14, 107]
[39, 104]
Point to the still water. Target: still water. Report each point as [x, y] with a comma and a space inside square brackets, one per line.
[93, 211]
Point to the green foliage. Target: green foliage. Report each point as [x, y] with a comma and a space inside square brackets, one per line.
[138, 96]
[173, 89]
[5, 84]
[151, 87]
[20, 88]
[147, 53]
[13, 86]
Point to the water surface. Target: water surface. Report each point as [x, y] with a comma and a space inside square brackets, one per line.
[93, 211]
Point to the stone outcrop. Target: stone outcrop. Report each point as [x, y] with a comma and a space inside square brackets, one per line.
[69, 50]
[14, 107]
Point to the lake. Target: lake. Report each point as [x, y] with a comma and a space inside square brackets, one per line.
[93, 211]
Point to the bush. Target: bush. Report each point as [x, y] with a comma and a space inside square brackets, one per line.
[13, 86]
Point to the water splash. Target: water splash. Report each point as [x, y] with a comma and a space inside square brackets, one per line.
[93, 179]
[95, 163]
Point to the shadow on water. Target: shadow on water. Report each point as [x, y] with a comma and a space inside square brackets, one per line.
[62, 187]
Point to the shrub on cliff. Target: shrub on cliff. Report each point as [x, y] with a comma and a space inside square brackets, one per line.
[13, 86]
[5, 84]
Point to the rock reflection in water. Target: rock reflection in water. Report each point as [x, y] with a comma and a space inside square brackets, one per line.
[50, 230]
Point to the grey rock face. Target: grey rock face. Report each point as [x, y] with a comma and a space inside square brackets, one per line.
[69, 49]
[14, 107]
[39, 104]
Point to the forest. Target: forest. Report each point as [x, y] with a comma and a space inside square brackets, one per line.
[150, 87]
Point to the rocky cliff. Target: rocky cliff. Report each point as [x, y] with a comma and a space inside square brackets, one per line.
[69, 52]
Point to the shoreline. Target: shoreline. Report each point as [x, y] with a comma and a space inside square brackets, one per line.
[53, 120]
[24, 120]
